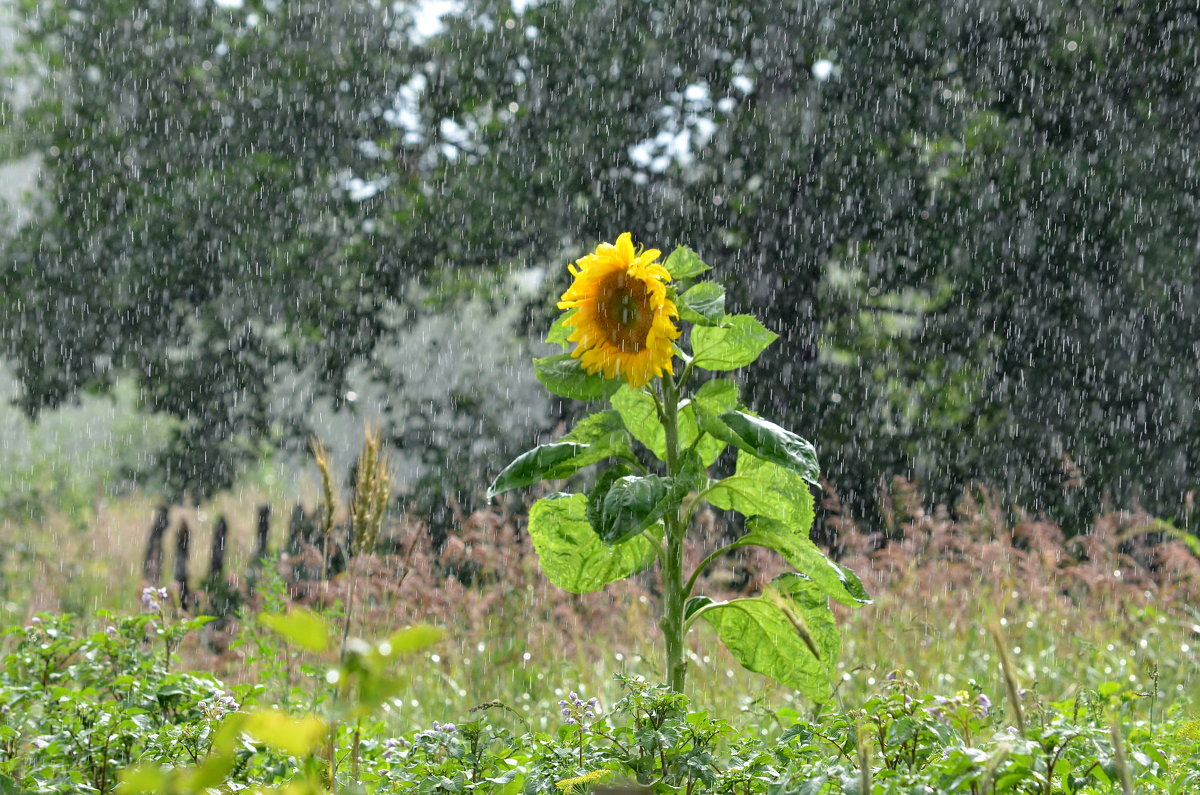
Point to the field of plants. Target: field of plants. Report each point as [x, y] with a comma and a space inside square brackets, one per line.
[998, 656]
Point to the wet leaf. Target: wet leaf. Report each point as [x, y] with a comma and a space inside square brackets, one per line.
[731, 346]
[787, 634]
[564, 375]
[300, 627]
[684, 264]
[557, 460]
[572, 555]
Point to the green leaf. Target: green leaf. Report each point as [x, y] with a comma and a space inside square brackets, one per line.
[704, 304]
[297, 736]
[788, 634]
[595, 496]
[9, 787]
[414, 638]
[695, 604]
[714, 397]
[684, 264]
[300, 627]
[730, 347]
[640, 417]
[605, 435]
[717, 395]
[572, 555]
[805, 556]
[564, 375]
[766, 440]
[632, 504]
[133, 781]
[557, 460]
[559, 330]
[761, 488]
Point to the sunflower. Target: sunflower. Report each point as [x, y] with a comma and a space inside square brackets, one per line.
[623, 316]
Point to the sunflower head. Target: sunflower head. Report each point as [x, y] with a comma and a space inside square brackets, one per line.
[622, 323]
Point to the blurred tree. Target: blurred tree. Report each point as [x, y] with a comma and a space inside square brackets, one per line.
[198, 222]
[974, 224]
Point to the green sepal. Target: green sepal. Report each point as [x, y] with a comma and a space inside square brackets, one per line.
[556, 460]
[703, 304]
[761, 488]
[570, 553]
[806, 557]
[737, 342]
[564, 375]
[788, 634]
[633, 504]
[559, 330]
[763, 439]
[684, 264]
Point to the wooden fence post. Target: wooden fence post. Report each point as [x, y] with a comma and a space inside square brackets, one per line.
[183, 542]
[216, 565]
[152, 562]
[262, 531]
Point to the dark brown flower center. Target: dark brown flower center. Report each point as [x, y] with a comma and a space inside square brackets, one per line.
[624, 312]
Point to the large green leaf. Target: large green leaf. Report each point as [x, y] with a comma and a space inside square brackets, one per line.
[799, 550]
[684, 264]
[788, 634]
[703, 303]
[764, 439]
[632, 504]
[572, 556]
[564, 375]
[732, 345]
[761, 488]
[556, 460]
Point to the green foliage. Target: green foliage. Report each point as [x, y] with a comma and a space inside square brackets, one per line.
[957, 228]
[545, 461]
[760, 488]
[764, 440]
[799, 550]
[735, 343]
[572, 555]
[788, 633]
[683, 263]
[563, 375]
[101, 712]
[300, 627]
[193, 226]
[703, 303]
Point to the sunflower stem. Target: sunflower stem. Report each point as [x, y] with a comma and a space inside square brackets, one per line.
[672, 554]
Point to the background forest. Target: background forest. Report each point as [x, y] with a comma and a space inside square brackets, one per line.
[974, 225]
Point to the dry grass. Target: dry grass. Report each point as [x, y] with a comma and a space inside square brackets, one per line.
[939, 576]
